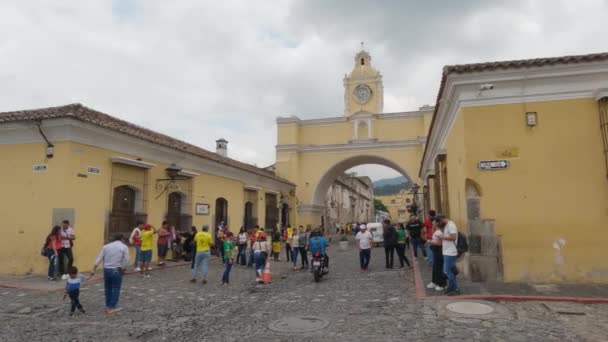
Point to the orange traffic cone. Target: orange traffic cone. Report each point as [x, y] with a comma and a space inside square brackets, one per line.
[266, 275]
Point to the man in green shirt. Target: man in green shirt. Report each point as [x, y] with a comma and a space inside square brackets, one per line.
[401, 243]
[228, 257]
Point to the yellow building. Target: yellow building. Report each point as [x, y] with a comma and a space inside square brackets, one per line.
[516, 156]
[397, 205]
[313, 153]
[103, 174]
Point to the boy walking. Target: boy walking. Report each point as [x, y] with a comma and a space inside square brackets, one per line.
[72, 289]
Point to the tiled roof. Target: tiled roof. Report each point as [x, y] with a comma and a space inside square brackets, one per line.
[503, 65]
[524, 63]
[79, 112]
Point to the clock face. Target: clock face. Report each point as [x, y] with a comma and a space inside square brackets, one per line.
[362, 93]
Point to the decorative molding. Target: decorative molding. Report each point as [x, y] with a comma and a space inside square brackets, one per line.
[400, 115]
[252, 188]
[310, 209]
[132, 162]
[187, 173]
[358, 146]
[600, 94]
[549, 83]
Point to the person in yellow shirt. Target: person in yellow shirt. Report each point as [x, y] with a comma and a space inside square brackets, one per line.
[287, 238]
[203, 243]
[147, 241]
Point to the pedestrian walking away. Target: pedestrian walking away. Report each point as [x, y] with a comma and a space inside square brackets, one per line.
[261, 250]
[203, 242]
[303, 243]
[135, 241]
[252, 239]
[228, 257]
[147, 240]
[72, 289]
[276, 244]
[51, 251]
[115, 259]
[162, 244]
[400, 246]
[242, 244]
[414, 227]
[389, 235]
[364, 245]
[66, 257]
[449, 239]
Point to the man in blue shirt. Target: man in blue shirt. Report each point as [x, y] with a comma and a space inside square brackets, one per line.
[317, 243]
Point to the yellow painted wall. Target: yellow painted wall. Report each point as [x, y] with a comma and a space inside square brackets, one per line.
[30, 197]
[339, 133]
[400, 203]
[398, 129]
[555, 188]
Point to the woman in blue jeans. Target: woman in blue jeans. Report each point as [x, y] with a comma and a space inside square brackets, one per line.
[53, 244]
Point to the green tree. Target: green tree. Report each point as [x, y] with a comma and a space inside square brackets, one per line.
[378, 205]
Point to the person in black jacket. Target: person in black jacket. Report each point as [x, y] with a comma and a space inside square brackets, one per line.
[390, 241]
[414, 227]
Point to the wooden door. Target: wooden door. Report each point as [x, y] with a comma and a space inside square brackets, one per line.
[122, 218]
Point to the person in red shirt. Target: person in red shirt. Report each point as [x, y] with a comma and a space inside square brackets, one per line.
[163, 243]
[135, 240]
[51, 251]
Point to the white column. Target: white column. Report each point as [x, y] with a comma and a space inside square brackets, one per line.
[356, 127]
[369, 128]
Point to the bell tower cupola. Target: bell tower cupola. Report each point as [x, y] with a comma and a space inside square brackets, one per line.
[363, 89]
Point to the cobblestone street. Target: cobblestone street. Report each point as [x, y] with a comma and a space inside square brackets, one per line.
[347, 305]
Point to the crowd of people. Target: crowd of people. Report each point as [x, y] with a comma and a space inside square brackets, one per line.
[437, 238]
[249, 249]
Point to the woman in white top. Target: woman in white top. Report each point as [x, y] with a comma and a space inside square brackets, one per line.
[295, 249]
[242, 244]
[261, 250]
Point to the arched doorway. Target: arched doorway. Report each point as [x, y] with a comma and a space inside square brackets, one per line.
[177, 211]
[272, 212]
[221, 212]
[123, 217]
[285, 215]
[249, 220]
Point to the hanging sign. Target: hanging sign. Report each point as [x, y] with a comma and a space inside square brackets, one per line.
[486, 165]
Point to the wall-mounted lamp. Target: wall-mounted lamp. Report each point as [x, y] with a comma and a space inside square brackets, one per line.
[531, 119]
[50, 151]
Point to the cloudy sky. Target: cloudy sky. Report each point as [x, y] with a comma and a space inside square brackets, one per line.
[200, 70]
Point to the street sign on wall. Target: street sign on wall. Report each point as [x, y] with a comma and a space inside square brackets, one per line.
[486, 165]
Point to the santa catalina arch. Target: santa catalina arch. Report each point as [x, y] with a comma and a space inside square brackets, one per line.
[313, 153]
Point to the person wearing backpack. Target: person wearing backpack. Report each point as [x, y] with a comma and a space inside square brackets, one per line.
[449, 243]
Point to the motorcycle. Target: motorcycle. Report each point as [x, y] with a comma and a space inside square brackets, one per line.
[318, 267]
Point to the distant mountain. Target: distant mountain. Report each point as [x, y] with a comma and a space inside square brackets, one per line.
[391, 181]
[390, 186]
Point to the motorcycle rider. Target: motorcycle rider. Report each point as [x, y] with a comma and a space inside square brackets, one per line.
[317, 243]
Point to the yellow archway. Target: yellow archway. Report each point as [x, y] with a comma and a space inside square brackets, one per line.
[313, 153]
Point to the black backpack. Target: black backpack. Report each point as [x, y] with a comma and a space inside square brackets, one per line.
[462, 245]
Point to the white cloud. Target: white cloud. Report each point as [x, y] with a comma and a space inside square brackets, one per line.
[201, 70]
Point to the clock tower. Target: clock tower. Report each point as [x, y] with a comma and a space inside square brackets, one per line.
[363, 90]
